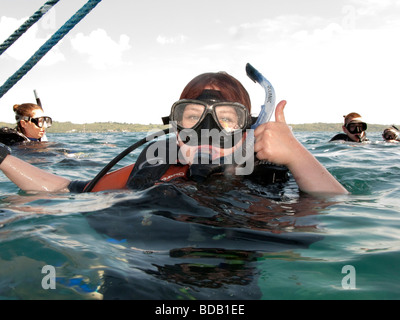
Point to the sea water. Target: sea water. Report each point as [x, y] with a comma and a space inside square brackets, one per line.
[221, 240]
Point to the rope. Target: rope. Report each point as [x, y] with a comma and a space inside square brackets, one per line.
[26, 25]
[46, 47]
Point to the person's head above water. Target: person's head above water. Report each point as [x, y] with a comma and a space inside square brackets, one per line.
[212, 114]
[354, 127]
[391, 134]
[31, 120]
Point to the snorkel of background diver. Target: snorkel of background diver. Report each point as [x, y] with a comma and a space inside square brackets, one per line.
[38, 102]
[362, 137]
[265, 115]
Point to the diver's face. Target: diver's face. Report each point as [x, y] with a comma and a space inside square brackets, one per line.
[356, 137]
[355, 129]
[390, 136]
[31, 130]
[208, 138]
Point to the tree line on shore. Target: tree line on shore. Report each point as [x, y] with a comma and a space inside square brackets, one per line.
[69, 127]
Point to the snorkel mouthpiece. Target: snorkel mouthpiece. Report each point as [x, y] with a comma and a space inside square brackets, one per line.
[203, 167]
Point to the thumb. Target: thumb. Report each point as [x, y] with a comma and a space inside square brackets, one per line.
[279, 115]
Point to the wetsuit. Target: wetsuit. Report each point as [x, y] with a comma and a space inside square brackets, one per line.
[10, 136]
[344, 137]
[144, 174]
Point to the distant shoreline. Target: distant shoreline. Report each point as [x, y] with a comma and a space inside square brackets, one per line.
[69, 127]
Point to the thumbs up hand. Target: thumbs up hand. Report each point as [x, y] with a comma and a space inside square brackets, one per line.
[275, 141]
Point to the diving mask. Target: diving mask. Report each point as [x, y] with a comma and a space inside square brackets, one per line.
[391, 134]
[209, 119]
[39, 122]
[229, 116]
[356, 127]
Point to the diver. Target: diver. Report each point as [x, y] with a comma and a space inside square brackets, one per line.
[391, 134]
[212, 121]
[354, 129]
[31, 125]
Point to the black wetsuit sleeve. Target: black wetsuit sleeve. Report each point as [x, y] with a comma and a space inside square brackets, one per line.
[340, 136]
[77, 186]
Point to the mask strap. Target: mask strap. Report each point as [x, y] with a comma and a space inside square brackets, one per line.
[211, 95]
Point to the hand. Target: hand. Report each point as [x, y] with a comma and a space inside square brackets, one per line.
[275, 141]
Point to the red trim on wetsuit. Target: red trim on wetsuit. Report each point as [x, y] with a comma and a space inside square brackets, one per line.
[114, 180]
[119, 178]
[174, 172]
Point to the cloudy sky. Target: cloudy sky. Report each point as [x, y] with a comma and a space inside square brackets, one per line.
[128, 61]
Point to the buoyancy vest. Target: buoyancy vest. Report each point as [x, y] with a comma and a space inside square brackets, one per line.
[10, 136]
[345, 137]
[148, 171]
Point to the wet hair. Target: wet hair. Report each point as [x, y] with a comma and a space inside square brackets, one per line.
[231, 89]
[24, 110]
[350, 116]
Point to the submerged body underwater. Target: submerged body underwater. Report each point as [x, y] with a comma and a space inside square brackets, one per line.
[225, 239]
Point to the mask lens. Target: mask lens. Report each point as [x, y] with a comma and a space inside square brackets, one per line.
[41, 121]
[187, 114]
[230, 117]
[389, 137]
[48, 121]
[357, 127]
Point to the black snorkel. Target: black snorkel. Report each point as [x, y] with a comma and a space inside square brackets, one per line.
[38, 102]
[124, 153]
[397, 133]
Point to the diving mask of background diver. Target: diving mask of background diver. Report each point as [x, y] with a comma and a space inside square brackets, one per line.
[391, 134]
[356, 127]
[39, 122]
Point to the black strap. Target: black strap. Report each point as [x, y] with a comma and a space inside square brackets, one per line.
[149, 170]
[4, 152]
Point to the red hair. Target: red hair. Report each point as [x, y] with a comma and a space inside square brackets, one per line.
[231, 89]
[350, 116]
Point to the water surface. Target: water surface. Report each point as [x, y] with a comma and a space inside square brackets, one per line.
[229, 239]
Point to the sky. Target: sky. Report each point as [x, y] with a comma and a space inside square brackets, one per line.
[128, 61]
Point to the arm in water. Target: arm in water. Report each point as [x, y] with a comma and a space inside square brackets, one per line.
[276, 143]
[30, 178]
